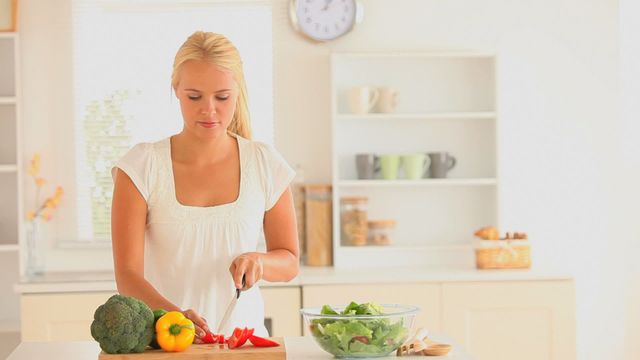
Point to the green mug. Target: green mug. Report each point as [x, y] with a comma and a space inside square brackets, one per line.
[389, 165]
[415, 165]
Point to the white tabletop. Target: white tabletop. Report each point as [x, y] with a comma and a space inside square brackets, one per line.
[298, 347]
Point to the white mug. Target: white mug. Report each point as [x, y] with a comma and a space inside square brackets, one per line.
[388, 100]
[362, 99]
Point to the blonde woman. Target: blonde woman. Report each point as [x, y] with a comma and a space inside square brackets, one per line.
[188, 210]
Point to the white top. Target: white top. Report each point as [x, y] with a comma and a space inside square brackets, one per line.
[189, 249]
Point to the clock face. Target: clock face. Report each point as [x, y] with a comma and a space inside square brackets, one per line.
[324, 19]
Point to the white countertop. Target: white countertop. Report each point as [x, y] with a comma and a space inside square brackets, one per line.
[62, 282]
[297, 348]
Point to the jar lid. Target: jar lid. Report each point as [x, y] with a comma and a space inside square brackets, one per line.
[354, 199]
[381, 223]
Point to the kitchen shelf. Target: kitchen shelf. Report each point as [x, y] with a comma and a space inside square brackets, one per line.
[9, 247]
[422, 182]
[8, 168]
[400, 256]
[11, 211]
[388, 248]
[8, 100]
[446, 102]
[487, 115]
[442, 53]
[8, 35]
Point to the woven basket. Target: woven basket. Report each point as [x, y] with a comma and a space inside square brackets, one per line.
[503, 254]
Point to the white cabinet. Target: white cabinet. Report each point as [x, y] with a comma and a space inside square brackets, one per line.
[10, 180]
[60, 317]
[68, 316]
[512, 320]
[492, 320]
[281, 306]
[446, 102]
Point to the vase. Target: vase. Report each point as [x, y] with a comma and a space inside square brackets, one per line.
[36, 247]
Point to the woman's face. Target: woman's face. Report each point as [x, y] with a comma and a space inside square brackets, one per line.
[208, 95]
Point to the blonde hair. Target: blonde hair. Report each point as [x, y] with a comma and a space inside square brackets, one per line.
[218, 50]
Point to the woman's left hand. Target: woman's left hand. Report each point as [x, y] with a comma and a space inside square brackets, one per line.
[248, 265]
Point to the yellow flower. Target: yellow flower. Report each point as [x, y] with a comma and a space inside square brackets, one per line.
[31, 215]
[35, 165]
[40, 182]
[45, 215]
[50, 203]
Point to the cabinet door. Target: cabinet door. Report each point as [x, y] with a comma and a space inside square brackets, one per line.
[281, 310]
[528, 320]
[425, 296]
[59, 317]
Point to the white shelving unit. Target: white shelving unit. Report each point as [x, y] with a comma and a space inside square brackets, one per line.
[10, 181]
[446, 102]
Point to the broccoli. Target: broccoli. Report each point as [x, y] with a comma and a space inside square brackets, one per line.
[123, 325]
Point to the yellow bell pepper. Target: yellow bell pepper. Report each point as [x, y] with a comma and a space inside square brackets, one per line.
[174, 331]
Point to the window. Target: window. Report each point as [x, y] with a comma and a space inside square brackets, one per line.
[123, 57]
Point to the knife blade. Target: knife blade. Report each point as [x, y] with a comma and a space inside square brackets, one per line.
[229, 310]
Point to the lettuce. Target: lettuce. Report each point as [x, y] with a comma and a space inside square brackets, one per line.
[358, 337]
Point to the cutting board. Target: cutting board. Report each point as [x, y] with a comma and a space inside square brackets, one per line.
[207, 352]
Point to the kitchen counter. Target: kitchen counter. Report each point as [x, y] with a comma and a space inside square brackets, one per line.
[62, 282]
[298, 347]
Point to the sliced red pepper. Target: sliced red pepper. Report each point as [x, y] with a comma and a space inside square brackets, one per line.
[239, 337]
[262, 342]
[220, 339]
[209, 338]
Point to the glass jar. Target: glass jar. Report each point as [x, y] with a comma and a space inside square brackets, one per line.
[318, 232]
[353, 221]
[381, 232]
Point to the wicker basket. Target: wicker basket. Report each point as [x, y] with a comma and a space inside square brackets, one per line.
[503, 254]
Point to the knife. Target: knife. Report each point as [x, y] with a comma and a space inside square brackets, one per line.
[230, 307]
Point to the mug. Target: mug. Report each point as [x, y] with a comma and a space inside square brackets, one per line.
[389, 164]
[362, 99]
[367, 166]
[441, 163]
[415, 165]
[388, 100]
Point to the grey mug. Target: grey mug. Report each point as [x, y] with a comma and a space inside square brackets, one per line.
[441, 163]
[367, 166]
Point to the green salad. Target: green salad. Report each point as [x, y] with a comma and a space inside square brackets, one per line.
[358, 337]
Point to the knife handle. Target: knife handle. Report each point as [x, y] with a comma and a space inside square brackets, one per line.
[238, 290]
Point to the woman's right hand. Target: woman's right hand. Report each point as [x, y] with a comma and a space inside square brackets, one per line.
[199, 322]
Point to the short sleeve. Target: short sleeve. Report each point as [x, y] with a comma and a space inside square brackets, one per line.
[136, 163]
[277, 174]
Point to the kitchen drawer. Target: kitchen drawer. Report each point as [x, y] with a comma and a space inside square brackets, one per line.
[281, 310]
[59, 317]
[512, 319]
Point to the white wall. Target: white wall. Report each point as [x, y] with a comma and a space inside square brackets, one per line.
[629, 165]
[560, 149]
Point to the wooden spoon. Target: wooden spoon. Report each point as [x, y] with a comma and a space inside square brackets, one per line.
[435, 348]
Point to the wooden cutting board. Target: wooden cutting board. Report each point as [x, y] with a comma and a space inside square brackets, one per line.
[208, 352]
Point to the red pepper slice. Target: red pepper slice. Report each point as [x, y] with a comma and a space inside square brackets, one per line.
[209, 338]
[262, 342]
[220, 339]
[239, 337]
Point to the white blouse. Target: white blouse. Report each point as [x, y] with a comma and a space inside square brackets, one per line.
[189, 249]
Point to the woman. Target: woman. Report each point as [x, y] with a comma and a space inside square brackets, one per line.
[188, 210]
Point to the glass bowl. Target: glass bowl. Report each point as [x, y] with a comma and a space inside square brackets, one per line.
[358, 336]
